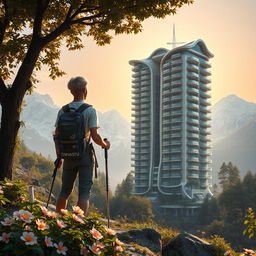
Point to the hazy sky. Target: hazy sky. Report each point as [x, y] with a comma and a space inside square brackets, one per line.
[228, 27]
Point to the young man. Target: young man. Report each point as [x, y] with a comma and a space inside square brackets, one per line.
[83, 167]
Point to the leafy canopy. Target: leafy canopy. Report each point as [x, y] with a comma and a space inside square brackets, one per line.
[48, 23]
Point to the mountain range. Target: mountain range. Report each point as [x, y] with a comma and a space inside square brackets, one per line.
[233, 134]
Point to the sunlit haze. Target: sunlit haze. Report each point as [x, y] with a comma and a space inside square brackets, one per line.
[226, 26]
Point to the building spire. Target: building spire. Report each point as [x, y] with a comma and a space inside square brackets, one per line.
[174, 43]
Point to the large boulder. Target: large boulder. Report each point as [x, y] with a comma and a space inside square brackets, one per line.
[145, 237]
[186, 244]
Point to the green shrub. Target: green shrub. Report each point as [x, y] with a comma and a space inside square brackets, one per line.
[221, 246]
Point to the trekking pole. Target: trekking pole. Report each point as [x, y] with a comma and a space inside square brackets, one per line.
[56, 164]
[107, 189]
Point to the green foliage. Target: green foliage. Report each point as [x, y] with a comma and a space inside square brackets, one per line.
[221, 246]
[37, 231]
[48, 23]
[229, 175]
[126, 187]
[250, 223]
[125, 206]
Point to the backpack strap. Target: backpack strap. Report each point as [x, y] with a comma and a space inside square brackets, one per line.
[66, 108]
[83, 107]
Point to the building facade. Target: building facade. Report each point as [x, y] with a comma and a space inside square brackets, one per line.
[171, 146]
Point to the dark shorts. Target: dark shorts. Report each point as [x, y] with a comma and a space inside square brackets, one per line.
[84, 169]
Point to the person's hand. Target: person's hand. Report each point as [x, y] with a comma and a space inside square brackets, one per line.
[107, 144]
[58, 163]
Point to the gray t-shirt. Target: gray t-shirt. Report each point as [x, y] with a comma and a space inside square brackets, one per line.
[90, 116]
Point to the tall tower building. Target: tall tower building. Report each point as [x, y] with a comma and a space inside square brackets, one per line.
[171, 127]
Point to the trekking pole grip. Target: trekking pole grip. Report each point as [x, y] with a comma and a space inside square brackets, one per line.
[106, 151]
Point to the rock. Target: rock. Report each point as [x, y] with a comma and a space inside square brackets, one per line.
[186, 244]
[145, 237]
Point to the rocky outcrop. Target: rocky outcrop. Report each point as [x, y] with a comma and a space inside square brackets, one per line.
[145, 237]
[188, 245]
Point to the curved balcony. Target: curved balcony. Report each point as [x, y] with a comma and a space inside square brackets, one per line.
[193, 91]
[205, 153]
[145, 71]
[205, 80]
[193, 151]
[193, 167]
[205, 95]
[144, 106]
[145, 95]
[207, 161]
[176, 97]
[176, 56]
[176, 69]
[166, 65]
[176, 83]
[135, 96]
[145, 100]
[194, 84]
[192, 135]
[205, 87]
[166, 113]
[136, 81]
[167, 99]
[193, 114]
[193, 159]
[145, 112]
[194, 143]
[176, 105]
[205, 145]
[191, 128]
[136, 75]
[205, 117]
[205, 64]
[176, 62]
[167, 121]
[193, 98]
[145, 77]
[146, 118]
[192, 121]
[144, 131]
[176, 76]
[175, 113]
[175, 135]
[136, 68]
[193, 76]
[166, 79]
[175, 128]
[193, 60]
[166, 92]
[193, 176]
[205, 124]
[205, 102]
[193, 106]
[205, 138]
[176, 90]
[176, 120]
[166, 71]
[205, 72]
[192, 68]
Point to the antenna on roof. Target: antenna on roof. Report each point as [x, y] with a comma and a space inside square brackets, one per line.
[174, 43]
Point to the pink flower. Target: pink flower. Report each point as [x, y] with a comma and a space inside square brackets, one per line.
[99, 244]
[64, 211]
[61, 224]
[84, 252]
[110, 231]
[1, 191]
[96, 234]
[21, 198]
[5, 237]
[44, 210]
[29, 238]
[7, 222]
[23, 215]
[28, 228]
[96, 250]
[78, 210]
[119, 248]
[48, 241]
[61, 249]
[41, 225]
[118, 242]
[8, 184]
[76, 218]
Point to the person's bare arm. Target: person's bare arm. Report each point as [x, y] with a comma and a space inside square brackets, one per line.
[98, 140]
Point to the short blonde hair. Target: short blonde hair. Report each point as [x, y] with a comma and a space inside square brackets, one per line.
[77, 84]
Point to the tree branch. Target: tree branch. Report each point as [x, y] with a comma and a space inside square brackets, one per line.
[41, 6]
[86, 18]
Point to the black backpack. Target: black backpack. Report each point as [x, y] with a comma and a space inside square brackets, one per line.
[71, 132]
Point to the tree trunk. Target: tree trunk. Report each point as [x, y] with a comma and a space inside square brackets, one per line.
[10, 125]
[11, 105]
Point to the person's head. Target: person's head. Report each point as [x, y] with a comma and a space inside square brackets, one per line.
[77, 87]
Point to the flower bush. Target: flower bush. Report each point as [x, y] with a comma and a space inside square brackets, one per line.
[34, 230]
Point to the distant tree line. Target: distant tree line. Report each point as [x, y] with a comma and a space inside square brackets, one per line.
[224, 213]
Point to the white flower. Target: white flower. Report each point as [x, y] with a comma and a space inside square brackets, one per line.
[41, 225]
[96, 234]
[61, 249]
[23, 215]
[48, 241]
[29, 238]
[7, 222]
[61, 224]
[78, 210]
